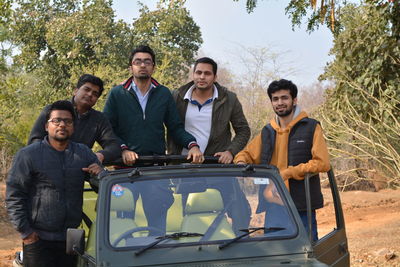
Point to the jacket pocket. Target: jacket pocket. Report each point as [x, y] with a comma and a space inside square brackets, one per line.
[35, 208]
[51, 211]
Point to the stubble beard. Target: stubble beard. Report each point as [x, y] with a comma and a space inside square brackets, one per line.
[285, 113]
[62, 138]
[204, 88]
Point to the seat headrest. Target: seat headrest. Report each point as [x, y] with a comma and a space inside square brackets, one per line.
[122, 199]
[208, 201]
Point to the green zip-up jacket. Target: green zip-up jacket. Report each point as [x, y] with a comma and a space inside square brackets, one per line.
[143, 132]
[227, 112]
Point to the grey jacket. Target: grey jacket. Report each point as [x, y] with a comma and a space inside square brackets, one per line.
[45, 187]
[89, 128]
[227, 111]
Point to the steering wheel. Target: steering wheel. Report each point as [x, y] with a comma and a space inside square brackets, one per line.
[129, 233]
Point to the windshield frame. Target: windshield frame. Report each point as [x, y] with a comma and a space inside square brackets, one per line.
[191, 171]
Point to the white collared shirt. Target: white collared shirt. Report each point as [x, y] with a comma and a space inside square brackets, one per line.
[142, 98]
[198, 119]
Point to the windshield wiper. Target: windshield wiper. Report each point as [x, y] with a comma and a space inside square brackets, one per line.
[249, 231]
[165, 237]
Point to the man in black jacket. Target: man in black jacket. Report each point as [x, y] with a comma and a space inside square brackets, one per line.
[45, 187]
[90, 125]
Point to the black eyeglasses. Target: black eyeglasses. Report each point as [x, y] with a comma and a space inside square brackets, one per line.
[139, 62]
[57, 121]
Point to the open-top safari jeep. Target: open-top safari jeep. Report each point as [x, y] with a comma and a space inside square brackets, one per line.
[214, 218]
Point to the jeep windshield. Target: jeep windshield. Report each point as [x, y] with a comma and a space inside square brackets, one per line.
[186, 208]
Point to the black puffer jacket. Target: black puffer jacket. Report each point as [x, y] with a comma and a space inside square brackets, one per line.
[45, 187]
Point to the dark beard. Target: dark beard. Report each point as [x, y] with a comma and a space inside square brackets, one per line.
[61, 139]
[285, 113]
[142, 77]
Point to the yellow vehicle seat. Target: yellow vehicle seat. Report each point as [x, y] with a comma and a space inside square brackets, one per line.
[175, 215]
[140, 218]
[122, 209]
[89, 207]
[200, 212]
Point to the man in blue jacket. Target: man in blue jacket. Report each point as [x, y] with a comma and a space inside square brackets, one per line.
[45, 188]
[138, 110]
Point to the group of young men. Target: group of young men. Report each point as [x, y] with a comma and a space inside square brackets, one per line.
[45, 183]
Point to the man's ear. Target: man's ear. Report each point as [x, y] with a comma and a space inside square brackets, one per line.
[75, 91]
[295, 101]
[46, 126]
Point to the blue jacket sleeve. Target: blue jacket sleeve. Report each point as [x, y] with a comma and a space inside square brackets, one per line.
[18, 186]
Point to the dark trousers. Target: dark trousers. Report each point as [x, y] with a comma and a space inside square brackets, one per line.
[43, 253]
[314, 230]
[157, 198]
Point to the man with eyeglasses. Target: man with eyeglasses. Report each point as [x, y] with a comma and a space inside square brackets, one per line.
[138, 110]
[90, 125]
[45, 187]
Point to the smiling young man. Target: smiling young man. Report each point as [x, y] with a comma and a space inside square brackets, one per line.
[294, 144]
[139, 110]
[209, 112]
[44, 191]
[90, 125]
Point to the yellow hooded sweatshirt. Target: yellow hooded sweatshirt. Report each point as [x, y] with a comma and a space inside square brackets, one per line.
[251, 154]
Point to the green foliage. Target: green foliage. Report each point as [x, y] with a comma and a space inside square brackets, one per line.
[364, 103]
[16, 110]
[5, 16]
[366, 53]
[59, 40]
[328, 12]
[250, 5]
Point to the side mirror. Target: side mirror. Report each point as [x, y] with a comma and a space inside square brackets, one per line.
[75, 241]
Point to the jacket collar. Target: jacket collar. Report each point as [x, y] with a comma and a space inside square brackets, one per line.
[47, 143]
[126, 84]
[77, 115]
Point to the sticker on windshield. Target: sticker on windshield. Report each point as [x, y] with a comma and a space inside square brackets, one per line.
[117, 190]
[261, 181]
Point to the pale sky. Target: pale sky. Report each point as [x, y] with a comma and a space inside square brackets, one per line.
[225, 24]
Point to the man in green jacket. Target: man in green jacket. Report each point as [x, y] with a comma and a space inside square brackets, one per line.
[209, 110]
[138, 110]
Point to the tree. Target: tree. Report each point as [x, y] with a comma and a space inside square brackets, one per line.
[320, 12]
[363, 107]
[261, 65]
[5, 49]
[59, 40]
[327, 12]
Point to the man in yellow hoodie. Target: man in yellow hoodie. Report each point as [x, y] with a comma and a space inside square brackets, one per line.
[294, 144]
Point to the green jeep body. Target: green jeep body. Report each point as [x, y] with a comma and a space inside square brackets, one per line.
[199, 229]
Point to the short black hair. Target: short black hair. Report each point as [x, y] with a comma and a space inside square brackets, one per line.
[142, 49]
[61, 105]
[207, 60]
[282, 84]
[88, 78]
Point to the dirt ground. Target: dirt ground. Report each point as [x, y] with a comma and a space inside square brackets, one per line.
[372, 225]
